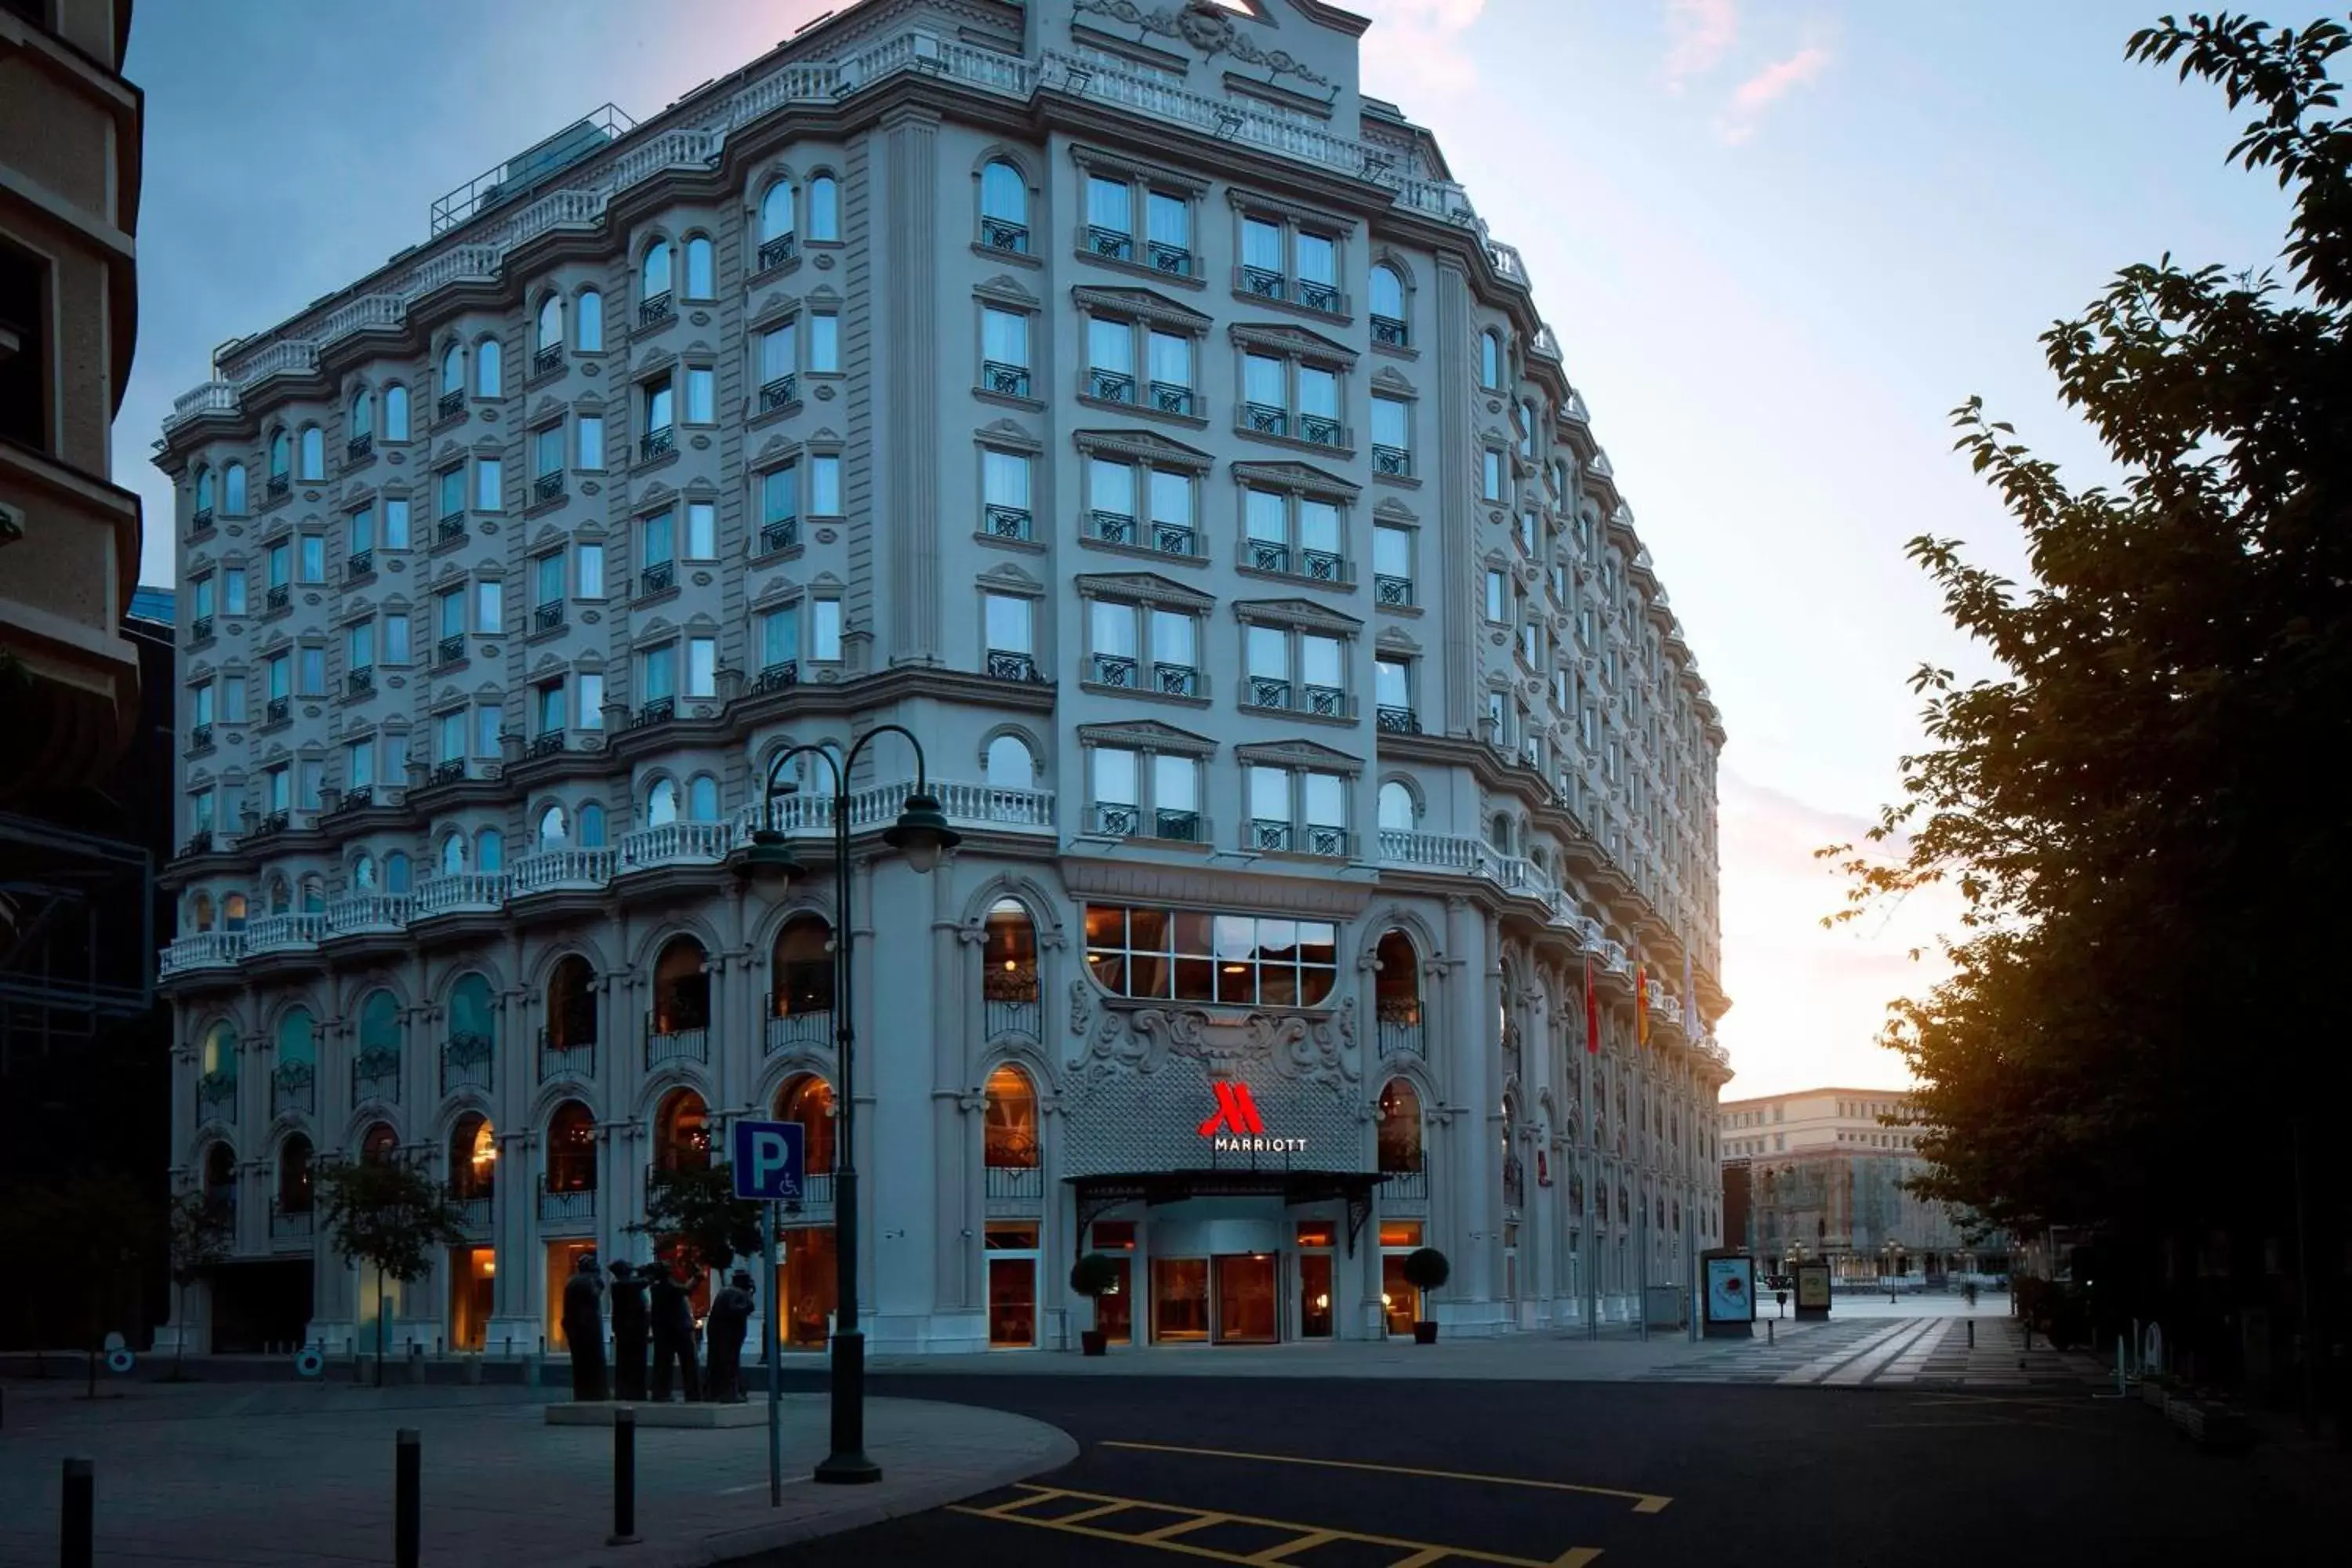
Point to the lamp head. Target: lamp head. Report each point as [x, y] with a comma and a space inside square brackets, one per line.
[769, 865]
[921, 833]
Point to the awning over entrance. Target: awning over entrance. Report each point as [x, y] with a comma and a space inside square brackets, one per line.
[1097, 1195]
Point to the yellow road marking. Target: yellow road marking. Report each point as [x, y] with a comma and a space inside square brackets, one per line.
[1643, 1502]
[1419, 1554]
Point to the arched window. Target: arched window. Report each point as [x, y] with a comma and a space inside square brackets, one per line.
[1008, 978]
[681, 988]
[203, 489]
[314, 452]
[395, 413]
[473, 1158]
[572, 1005]
[281, 896]
[702, 798]
[1490, 360]
[571, 1149]
[281, 454]
[808, 1099]
[801, 967]
[1397, 989]
[661, 803]
[550, 323]
[396, 872]
[473, 1021]
[824, 208]
[294, 1175]
[701, 268]
[233, 912]
[653, 273]
[1396, 808]
[1004, 206]
[1388, 297]
[220, 1175]
[297, 1040]
[490, 379]
[379, 1145]
[1011, 1127]
[453, 370]
[217, 1056]
[199, 911]
[364, 872]
[591, 826]
[313, 896]
[682, 1132]
[553, 829]
[379, 1052]
[489, 850]
[1011, 764]
[233, 489]
[452, 853]
[1528, 428]
[1400, 1134]
[588, 322]
[776, 212]
[1498, 834]
[362, 420]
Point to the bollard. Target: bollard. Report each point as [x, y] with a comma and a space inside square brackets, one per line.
[407, 1500]
[77, 1530]
[1972, 1334]
[624, 1476]
[1768, 1330]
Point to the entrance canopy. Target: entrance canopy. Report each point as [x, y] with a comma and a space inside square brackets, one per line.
[1097, 1195]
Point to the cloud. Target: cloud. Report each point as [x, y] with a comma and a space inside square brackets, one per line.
[1414, 47]
[1751, 98]
[1702, 32]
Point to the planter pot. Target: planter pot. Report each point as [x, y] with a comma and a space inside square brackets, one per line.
[1093, 1342]
[1425, 1333]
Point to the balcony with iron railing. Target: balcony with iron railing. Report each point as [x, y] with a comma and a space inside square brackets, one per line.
[1003, 234]
[200, 740]
[657, 444]
[280, 597]
[547, 617]
[675, 1038]
[1393, 591]
[781, 676]
[359, 683]
[449, 406]
[200, 523]
[359, 566]
[1004, 379]
[1176, 538]
[1389, 332]
[547, 487]
[451, 529]
[1112, 670]
[1174, 397]
[1391, 462]
[546, 743]
[1109, 243]
[774, 253]
[217, 1097]
[200, 631]
[280, 487]
[568, 1197]
[1322, 429]
[1401, 1029]
[1176, 680]
[1110, 385]
[376, 1076]
[1012, 1181]
[1394, 721]
[1010, 1006]
[1265, 419]
[1007, 521]
[779, 533]
[653, 710]
[656, 309]
[546, 358]
[810, 1029]
[1404, 1190]
[467, 1060]
[1261, 282]
[1004, 664]
[657, 577]
[781, 393]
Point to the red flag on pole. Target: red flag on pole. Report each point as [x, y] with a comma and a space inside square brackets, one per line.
[1592, 1010]
[1642, 1002]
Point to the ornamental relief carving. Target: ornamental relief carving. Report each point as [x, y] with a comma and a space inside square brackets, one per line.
[1208, 29]
[1310, 1048]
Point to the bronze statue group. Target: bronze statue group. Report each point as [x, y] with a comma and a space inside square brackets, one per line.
[653, 1305]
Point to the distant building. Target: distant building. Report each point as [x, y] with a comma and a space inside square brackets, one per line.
[69, 536]
[1820, 1173]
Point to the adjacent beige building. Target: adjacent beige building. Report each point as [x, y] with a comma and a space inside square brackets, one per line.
[69, 536]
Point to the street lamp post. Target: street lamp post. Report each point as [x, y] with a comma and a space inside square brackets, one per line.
[920, 835]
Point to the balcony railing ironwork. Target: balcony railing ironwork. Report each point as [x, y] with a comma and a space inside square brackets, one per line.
[672, 1040]
[1176, 680]
[565, 1204]
[547, 617]
[292, 1088]
[781, 676]
[1006, 664]
[548, 487]
[1320, 428]
[1003, 233]
[1176, 538]
[1110, 244]
[1388, 332]
[1113, 669]
[1008, 522]
[1172, 260]
[567, 1058]
[1326, 701]
[1110, 385]
[1262, 282]
[1314, 296]
[450, 649]
[200, 739]
[781, 393]
[658, 443]
[1392, 591]
[779, 533]
[810, 1030]
[1112, 527]
[281, 595]
[280, 485]
[1265, 418]
[1397, 720]
[655, 710]
[1393, 461]
[545, 358]
[359, 682]
[277, 710]
[657, 577]
[451, 529]
[1016, 1183]
[1173, 397]
[449, 405]
[1401, 1029]
[1325, 840]
[375, 1076]
[1268, 832]
[1005, 380]
[466, 1061]
[1266, 691]
[777, 251]
[655, 309]
[358, 565]
[200, 630]
[546, 743]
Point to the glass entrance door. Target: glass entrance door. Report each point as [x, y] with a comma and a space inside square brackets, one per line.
[805, 1294]
[1179, 1300]
[1245, 1299]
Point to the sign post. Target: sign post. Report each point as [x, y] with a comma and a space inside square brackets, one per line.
[768, 1161]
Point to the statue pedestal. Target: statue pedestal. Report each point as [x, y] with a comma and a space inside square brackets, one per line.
[692, 1417]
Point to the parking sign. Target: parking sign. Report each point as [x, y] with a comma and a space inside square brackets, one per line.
[766, 1157]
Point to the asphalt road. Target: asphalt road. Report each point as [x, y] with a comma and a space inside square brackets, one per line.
[1353, 1473]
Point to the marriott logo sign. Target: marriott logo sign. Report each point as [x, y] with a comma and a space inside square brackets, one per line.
[1236, 1128]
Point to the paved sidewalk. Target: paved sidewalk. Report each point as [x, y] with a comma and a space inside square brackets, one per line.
[1879, 1351]
[271, 1475]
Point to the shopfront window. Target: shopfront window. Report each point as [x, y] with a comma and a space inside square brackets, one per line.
[1400, 1302]
[1197, 956]
[1115, 1308]
[1012, 1284]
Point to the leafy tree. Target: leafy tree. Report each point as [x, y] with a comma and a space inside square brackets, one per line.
[198, 1233]
[392, 1216]
[2141, 809]
[695, 1215]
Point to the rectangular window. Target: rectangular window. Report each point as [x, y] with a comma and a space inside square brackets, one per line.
[592, 570]
[1498, 600]
[451, 484]
[489, 483]
[233, 590]
[1111, 489]
[233, 701]
[780, 636]
[1115, 776]
[1262, 246]
[779, 353]
[1170, 222]
[1319, 400]
[702, 531]
[1008, 622]
[1171, 509]
[449, 737]
[1389, 428]
[362, 533]
[658, 413]
[779, 494]
[1269, 798]
[281, 790]
[658, 672]
[1004, 480]
[1171, 366]
[702, 666]
[395, 640]
[824, 630]
[201, 711]
[592, 440]
[655, 536]
[1318, 537]
[1174, 637]
[548, 702]
[1392, 553]
[359, 646]
[1175, 787]
[1113, 628]
[1392, 684]
[1004, 338]
[488, 719]
[313, 672]
[395, 522]
[1490, 483]
[200, 811]
[1267, 515]
[591, 699]
[701, 395]
[1320, 663]
[1263, 382]
[359, 764]
[1269, 655]
[547, 451]
[1327, 803]
[1111, 360]
[547, 579]
[489, 606]
[1319, 259]
[824, 484]
[314, 558]
[1110, 206]
[824, 343]
[312, 784]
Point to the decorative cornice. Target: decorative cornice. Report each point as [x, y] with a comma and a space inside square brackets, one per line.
[1302, 477]
[1148, 588]
[1145, 447]
[1291, 340]
[1143, 305]
[1147, 735]
[1300, 753]
[1295, 613]
[1210, 30]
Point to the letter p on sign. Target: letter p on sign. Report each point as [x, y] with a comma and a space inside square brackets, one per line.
[767, 1159]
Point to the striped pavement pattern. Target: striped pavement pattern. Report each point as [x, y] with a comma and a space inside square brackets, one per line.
[1881, 1352]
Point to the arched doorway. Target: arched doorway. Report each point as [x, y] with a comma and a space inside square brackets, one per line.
[1008, 977]
[219, 1168]
[682, 1132]
[469, 1056]
[800, 967]
[804, 1283]
[1016, 1193]
[376, 1069]
[379, 1145]
[1396, 996]
[679, 1023]
[568, 1042]
[473, 1266]
[294, 1175]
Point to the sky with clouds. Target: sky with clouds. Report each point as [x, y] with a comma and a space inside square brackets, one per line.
[1779, 243]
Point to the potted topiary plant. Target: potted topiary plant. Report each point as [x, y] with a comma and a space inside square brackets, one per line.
[1426, 1270]
[1093, 1277]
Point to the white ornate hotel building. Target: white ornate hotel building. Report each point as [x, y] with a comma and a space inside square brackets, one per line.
[1110, 394]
